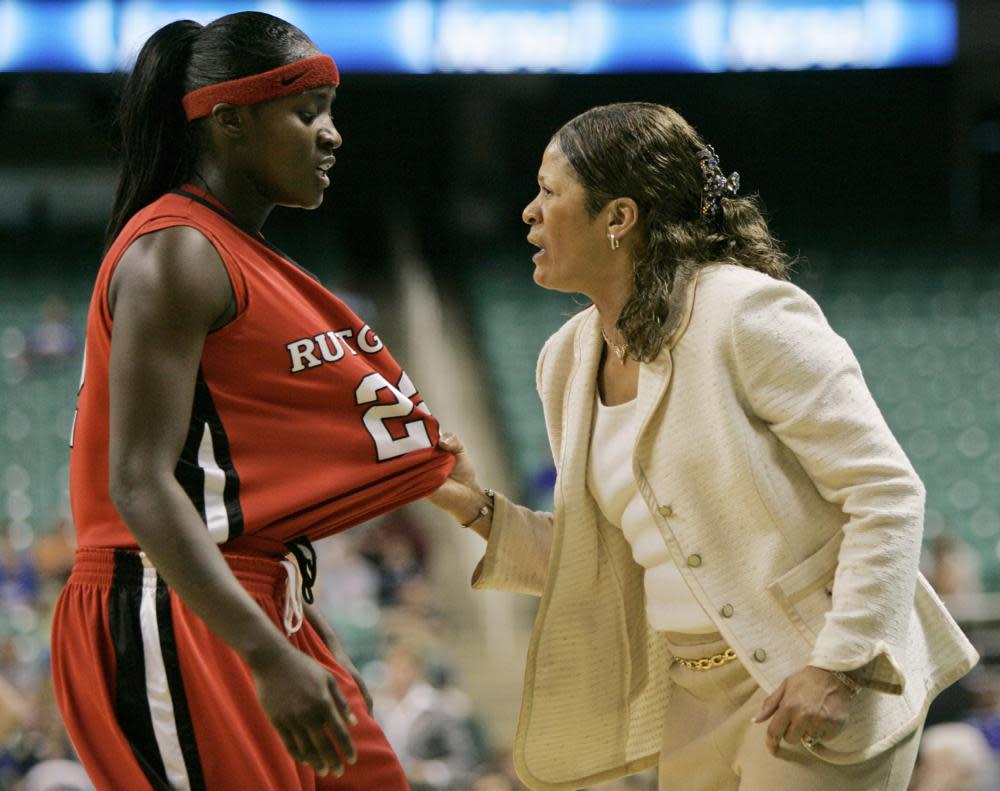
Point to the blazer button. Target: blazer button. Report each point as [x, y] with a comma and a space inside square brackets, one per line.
[760, 655]
[726, 611]
[665, 510]
[694, 561]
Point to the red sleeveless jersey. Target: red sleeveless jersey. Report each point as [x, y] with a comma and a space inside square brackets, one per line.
[302, 423]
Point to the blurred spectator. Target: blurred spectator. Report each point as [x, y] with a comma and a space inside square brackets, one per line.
[954, 571]
[416, 616]
[955, 704]
[57, 775]
[19, 579]
[441, 674]
[347, 593]
[14, 710]
[986, 717]
[955, 757]
[952, 566]
[31, 731]
[54, 337]
[428, 734]
[495, 780]
[48, 739]
[499, 772]
[55, 550]
[346, 575]
[39, 737]
[398, 550]
[989, 726]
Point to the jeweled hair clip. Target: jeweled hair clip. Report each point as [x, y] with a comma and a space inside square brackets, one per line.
[715, 185]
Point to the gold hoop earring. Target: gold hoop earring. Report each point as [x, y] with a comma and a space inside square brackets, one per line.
[615, 244]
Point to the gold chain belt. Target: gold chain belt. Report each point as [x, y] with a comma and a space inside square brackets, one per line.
[707, 662]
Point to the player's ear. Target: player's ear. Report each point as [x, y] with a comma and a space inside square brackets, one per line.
[228, 120]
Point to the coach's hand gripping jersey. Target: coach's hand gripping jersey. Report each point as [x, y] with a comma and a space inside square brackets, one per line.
[302, 424]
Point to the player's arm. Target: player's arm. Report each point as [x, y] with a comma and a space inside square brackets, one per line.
[168, 292]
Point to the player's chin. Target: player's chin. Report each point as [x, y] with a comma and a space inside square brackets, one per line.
[306, 192]
[315, 203]
[307, 201]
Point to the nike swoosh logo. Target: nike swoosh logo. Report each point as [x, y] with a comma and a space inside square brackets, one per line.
[290, 80]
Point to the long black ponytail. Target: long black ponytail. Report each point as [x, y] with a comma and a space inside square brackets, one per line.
[159, 148]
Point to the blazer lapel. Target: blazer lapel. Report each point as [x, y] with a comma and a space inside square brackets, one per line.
[654, 380]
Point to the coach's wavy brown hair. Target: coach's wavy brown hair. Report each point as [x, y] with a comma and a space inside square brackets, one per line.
[649, 153]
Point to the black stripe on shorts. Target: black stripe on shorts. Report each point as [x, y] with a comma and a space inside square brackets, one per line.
[182, 714]
[131, 705]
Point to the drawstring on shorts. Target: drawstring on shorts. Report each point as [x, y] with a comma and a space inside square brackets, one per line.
[300, 569]
[300, 566]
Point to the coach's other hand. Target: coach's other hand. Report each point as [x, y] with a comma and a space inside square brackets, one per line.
[811, 704]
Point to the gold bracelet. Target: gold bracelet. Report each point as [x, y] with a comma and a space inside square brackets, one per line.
[486, 510]
[852, 684]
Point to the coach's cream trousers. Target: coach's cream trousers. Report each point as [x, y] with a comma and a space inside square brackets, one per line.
[732, 755]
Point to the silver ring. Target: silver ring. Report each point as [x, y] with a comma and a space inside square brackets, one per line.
[810, 741]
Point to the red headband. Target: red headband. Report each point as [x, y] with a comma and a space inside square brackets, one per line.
[296, 77]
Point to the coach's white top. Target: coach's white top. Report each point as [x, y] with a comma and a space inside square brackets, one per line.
[783, 498]
[670, 605]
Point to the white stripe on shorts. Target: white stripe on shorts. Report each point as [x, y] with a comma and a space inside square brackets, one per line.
[161, 704]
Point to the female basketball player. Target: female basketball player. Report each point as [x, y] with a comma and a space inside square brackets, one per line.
[229, 402]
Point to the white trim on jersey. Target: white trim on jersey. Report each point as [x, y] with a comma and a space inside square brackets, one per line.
[161, 703]
[216, 515]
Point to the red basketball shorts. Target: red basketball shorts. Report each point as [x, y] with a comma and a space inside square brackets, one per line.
[152, 699]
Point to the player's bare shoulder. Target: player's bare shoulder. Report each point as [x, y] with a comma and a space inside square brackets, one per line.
[179, 270]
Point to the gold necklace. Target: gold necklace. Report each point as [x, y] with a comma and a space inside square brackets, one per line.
[620, 349]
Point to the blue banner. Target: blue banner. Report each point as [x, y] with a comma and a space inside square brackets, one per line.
[581, 36]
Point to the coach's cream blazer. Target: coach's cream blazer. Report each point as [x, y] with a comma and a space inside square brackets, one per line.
[784, 500]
